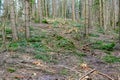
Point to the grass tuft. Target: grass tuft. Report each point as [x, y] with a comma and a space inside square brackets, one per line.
[111, 59]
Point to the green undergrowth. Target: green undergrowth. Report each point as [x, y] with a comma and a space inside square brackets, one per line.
[11, 70]
[79, 54]
[43, 43]
[108, 46]
[8, 31]
[101, 30]
[45, 21]
[45, 57]
[93, 35]
[64, 72]
[111, 59]
[60, 42]
[55, 23]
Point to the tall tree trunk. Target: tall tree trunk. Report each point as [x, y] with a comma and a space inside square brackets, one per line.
[13, 24]
[101, 13]
[119, 21]
[40, 15]
[54, 8]
[113, 14]
[73, 10]
[64, 2]
[27, 19]
[46, 8]
[104, 14]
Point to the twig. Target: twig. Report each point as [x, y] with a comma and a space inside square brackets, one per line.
[98, 73]
[87, 74]
[36, 68]
[71, 69]
[105, 75]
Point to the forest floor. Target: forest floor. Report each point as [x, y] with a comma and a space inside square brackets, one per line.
[59, 52]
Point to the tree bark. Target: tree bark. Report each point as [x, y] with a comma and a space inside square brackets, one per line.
[27, 19]
[13, 24]
[73, 10]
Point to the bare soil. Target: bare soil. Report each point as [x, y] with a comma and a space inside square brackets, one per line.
[23, 66]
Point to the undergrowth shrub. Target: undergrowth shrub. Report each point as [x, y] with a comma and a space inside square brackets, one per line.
[103, 45]
[111, 59]
[45, 57]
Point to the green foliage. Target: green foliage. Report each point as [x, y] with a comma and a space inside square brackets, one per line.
[101, 30]
[31, 28]
[111, 59]
[55, 23]
[58, 42]
[34, 43]
[11, 70]
[8, 31]
[65, 43]
[22, 43]
[116, 30]
[13, 46]
[36, 20]
[103, 46]
[64, 72]
[45, 21]
[38, 46]
[77, 25]
[34, 39]
[43, 35]
[32, 1]
[96, 5]
[93, 35]
[79, 54]
[108, 46]
[45, 57]
[77, 36]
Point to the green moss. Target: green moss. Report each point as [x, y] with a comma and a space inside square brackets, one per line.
[111, 59]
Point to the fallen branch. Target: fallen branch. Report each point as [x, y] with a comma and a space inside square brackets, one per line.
[71, 69]
[42, 68]
[105, 75]
[87, 74]
[98, 73]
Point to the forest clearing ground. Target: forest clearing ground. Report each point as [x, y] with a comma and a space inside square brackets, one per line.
[16, 65]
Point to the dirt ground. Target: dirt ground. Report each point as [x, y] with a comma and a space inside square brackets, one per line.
[23, 66]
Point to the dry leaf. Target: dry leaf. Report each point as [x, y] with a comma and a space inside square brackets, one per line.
[19, 77]
[84, 66]
[38, 63]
